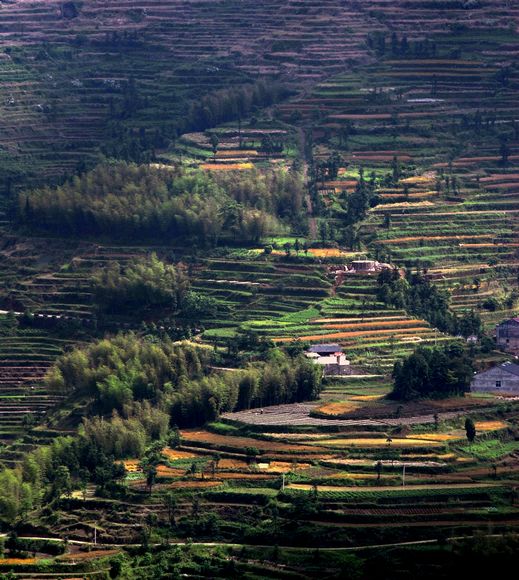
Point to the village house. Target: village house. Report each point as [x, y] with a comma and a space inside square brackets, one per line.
[507, 335]
[339, 272]
[331, 357]
[503, 378]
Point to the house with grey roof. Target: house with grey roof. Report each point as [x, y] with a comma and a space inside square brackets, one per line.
[503, 378]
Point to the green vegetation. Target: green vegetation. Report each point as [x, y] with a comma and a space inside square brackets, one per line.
[174, 204]
[142, 284]
[430, 372]
[416, 294]
[190, 197]
[173, 376]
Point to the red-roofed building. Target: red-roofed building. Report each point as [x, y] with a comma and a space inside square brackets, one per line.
[507, 335]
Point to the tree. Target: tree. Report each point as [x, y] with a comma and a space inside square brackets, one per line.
[151, 477]
[267, 145]
[195, 508]
[504, 151]
[170, 503]
[215, 142]
[62, 484]
[432, 372]
[175, 438]
[214, 463]
[378, 469]
[251, 453]
[470, 429]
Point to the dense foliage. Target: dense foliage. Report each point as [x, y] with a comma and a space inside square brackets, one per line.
[432, 372]
[279, 193]
[128, 201]
[419, 296]
[126, 368]
[142, 391]
[143, 283]
[50, 472]
[175, 378]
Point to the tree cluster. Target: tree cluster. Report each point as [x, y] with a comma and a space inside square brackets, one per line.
[432, 372]
[278, 193]
[416, 294]
[232, 103]
[175, 378]
[142, 284]
[141, 391]
[48, 473]
[127, 201]
[125, 368]
[190, 111]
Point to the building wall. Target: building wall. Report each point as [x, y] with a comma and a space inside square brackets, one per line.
[332, 360]
[488, 381]
[337, 370]
[507, 336]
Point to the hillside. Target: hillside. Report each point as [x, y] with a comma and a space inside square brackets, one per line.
[84, 78]
[194, 192]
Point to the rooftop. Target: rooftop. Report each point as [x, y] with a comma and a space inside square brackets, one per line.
[510, 367]
[325, 348]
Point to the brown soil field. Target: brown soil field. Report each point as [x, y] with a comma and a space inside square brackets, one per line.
[173, 454]
[202, 484]
[241, 443]
[368, 325]
[435, 238]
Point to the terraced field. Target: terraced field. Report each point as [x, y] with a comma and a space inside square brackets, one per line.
[415, 102]
[312, 309]
[24, 359]
[360, 476]
[65, 74]
[237, 148]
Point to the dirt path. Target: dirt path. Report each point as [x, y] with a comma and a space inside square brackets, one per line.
[389, 488]
[263, 546]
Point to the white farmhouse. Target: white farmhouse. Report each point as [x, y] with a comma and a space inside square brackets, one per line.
[331, 357]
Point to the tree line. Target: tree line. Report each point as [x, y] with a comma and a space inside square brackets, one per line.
[147, 285]
[189, 113]
[141, 284]
[128, 201]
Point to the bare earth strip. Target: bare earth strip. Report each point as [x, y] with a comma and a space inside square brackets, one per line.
[299, 414]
